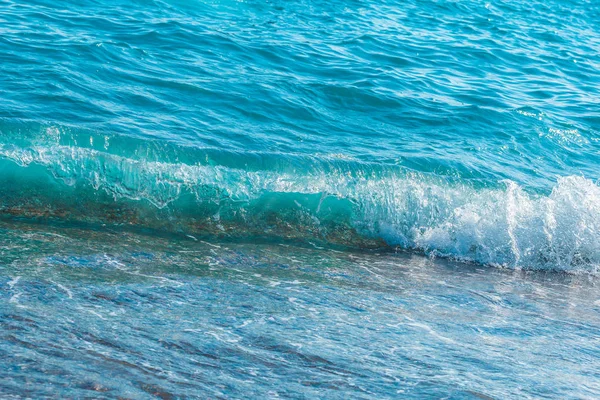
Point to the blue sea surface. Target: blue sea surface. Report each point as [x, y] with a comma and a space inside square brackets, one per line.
[300, 199]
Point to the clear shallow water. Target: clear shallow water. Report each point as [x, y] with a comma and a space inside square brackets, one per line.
[308, 141]
[89, 313]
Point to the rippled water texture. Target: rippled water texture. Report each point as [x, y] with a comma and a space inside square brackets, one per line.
[303, 199]
[107, 315]
[490, 90]
[467, 130]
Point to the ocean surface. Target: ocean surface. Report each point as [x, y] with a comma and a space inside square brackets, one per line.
[299, 199]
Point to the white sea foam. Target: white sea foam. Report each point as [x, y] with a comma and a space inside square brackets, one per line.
[507, 227]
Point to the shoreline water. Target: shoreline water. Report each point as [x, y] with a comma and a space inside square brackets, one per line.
[112, 314]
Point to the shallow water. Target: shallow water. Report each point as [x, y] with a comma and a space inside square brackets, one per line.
[106, 315]
[299, 199]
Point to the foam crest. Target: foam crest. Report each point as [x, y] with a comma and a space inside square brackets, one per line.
[507, 227]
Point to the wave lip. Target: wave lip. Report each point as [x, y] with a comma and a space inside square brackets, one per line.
[504, 226]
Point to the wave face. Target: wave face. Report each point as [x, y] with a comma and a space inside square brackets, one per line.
[309, 199]
[459, 129]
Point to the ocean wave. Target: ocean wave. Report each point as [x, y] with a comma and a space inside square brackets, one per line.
[503, 225]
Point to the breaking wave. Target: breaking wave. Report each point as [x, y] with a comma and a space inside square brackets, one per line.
[323, 199]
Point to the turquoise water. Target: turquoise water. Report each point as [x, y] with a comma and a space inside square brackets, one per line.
[299, 199]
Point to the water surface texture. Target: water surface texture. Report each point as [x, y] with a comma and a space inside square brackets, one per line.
[299, 199]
